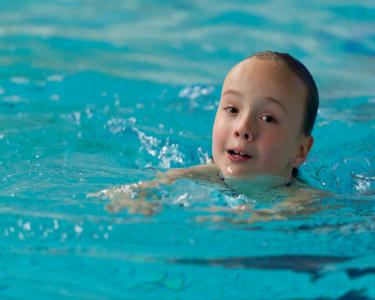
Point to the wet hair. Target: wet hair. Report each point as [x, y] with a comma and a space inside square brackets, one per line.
[312, 99]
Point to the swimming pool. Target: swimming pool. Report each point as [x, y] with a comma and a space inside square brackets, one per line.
[94, 95]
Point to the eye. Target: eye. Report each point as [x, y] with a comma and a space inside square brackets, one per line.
[268, 119]
[231, 109]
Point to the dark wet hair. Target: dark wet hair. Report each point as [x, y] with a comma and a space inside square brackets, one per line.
[312, 99]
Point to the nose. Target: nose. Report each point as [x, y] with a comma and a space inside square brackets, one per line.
[243, 131]
[241, 134]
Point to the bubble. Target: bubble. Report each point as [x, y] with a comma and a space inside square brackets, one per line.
[169, 154]
[361, 185]
[78, 229]
[203, 156]
[77, 117]
[88, 113]
[27, 226]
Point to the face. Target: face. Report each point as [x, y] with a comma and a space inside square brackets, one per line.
[258, 124]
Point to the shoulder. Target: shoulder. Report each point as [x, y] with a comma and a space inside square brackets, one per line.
[301, 194]
[207, 172]
[207, 169]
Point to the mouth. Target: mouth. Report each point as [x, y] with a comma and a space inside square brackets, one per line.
[238, 156]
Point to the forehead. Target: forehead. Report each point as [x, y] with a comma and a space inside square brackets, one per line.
[265, 77]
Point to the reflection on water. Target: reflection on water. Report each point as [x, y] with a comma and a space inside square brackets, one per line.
[184, 43]
[97, 95]
[298, 263]
[256, 198]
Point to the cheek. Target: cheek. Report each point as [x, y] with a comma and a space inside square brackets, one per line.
[271, 146]
[220, 134]
[275, 149]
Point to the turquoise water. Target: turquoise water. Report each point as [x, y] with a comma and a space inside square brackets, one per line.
[94, 95]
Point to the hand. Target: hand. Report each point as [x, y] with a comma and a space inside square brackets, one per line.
[130, 196]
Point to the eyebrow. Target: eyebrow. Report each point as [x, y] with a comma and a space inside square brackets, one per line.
[269, 99]
[230, 91]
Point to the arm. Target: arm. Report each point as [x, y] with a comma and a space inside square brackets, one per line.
[134, 196]
[302, 201]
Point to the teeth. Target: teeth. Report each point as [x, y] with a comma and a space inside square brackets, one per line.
[240, 153]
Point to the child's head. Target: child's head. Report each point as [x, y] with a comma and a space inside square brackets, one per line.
[265, 116]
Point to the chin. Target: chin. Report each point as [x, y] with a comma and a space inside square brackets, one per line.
[232, 171]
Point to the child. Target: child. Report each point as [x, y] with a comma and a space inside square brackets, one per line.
[263, 126]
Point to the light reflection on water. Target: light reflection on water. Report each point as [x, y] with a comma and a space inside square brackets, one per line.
[95, 95]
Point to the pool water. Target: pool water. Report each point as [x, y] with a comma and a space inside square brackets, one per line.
[94, 95]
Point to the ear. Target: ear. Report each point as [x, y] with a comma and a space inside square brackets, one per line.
[303, 150]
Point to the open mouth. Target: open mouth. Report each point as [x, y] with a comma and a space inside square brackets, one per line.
[235, 155]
